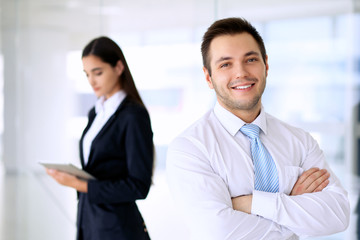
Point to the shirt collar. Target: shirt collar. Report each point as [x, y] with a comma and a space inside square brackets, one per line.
[232, 123]
[110, 104]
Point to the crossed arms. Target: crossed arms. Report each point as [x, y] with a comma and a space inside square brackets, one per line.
[317, 204]
[312, 180]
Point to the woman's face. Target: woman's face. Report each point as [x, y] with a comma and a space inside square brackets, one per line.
[103, 78]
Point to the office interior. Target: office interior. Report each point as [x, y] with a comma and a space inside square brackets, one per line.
[313, 83]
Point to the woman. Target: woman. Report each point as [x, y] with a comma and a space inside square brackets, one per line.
[116, 148]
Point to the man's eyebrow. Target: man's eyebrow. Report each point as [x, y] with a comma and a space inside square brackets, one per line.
[252, 53]
[223, 59]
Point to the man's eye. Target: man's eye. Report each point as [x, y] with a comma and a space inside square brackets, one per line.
[224, 65]
[98, 73]
[252, 60]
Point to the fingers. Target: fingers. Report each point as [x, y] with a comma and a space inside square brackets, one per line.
[322, 186]
[320, 183]
[61, 177]
[312, 180]
[306, 174]
[316, 181]
[54, 173]
[51, 172]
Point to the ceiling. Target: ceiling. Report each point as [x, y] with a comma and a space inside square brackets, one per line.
[157, 14]
[80, 19]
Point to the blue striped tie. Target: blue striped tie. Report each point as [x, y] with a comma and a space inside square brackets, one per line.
[266, 176]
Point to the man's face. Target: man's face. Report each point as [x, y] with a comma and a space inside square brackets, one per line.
[238, 73]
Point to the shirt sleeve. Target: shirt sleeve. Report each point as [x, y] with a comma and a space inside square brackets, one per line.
[311, 214]
[204, 198]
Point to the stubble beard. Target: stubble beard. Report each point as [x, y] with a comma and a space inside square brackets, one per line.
[238, 105]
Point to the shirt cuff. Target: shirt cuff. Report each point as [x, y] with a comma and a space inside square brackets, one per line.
[264, 204]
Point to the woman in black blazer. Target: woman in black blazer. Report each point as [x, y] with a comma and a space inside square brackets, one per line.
[116, 148]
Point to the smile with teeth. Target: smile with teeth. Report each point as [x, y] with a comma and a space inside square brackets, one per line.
[243, 87]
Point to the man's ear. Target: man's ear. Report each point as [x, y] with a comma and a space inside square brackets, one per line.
[266, 65]
[119, 67]
[208, 77]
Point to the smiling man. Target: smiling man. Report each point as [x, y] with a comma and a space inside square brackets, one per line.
[238, 74]
[240, 173]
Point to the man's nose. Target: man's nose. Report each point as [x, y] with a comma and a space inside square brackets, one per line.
[241, 71]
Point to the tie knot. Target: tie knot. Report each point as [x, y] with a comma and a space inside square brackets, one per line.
[250, 130]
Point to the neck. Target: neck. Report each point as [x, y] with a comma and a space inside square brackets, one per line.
[247, 115]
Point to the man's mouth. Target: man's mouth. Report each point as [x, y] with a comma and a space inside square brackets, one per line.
[243, 87]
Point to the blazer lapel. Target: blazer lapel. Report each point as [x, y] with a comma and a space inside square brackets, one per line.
[92, 115]
[105, 127]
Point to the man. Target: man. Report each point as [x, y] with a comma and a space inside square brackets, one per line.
[214, 168]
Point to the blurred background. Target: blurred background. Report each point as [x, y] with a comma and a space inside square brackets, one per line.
[313, 83]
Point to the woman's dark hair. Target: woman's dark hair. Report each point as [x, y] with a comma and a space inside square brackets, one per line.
[108, 51]
[229, 26]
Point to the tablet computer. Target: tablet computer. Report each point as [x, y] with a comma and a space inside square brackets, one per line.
[69, 168]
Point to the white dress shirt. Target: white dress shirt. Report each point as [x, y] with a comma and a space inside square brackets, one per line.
[210, 163]
[104, 109]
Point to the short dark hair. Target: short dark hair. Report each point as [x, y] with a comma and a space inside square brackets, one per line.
[229, 26]
[109, 52]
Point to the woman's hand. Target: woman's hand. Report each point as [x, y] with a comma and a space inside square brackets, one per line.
[68, 180]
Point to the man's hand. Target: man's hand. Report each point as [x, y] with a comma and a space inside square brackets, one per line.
[68, 180]
[312, 180]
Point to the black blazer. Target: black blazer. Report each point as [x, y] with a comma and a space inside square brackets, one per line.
[121, 159]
